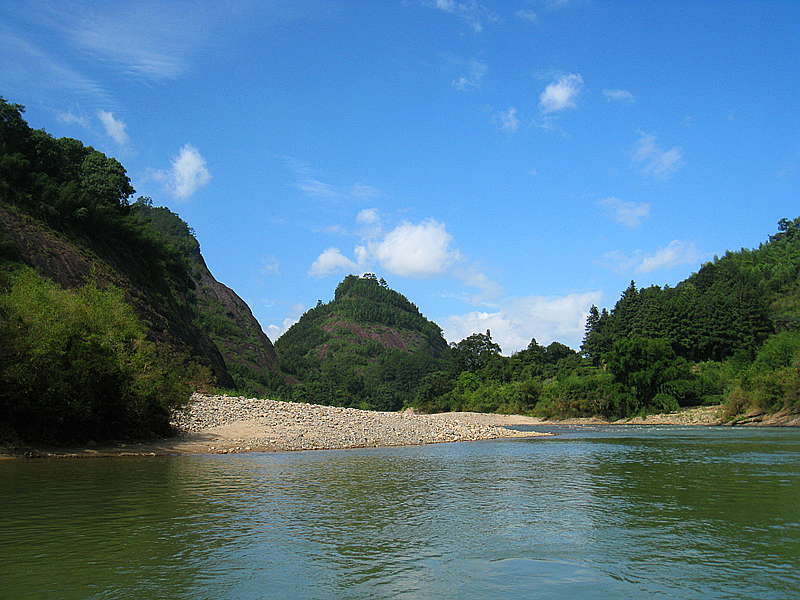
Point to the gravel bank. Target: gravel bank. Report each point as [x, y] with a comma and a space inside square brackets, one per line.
[225, 424]
[236, 424]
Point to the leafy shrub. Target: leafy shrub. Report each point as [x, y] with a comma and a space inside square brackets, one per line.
[75, 364]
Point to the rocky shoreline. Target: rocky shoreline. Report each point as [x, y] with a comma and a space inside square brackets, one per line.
[214, 424]
[225, 424]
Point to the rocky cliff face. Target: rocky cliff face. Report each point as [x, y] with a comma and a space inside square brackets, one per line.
[221, 313]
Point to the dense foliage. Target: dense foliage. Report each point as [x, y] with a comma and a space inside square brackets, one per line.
[369, 347]
[729, 332]
[75, 365]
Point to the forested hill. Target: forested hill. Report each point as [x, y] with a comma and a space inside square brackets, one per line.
[369, 347]
[731, 306]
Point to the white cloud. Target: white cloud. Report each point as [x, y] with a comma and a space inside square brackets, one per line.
[619, 95]
[628, 213]
[115, 128]
[314, 188]
[270, 265]
[471, 11]
[655, 161]
[70, 118]
[417, 251]
[275, 331]
[359, 190]
[527, 14]
[187, 175]
[331, 261]
[317, 189]
[368, 216]
[561, 94]
[675, 254]
[547, 319]
[508, 120]
[473, 80]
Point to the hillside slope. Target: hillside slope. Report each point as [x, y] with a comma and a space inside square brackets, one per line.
[227, 319]
[369, 347]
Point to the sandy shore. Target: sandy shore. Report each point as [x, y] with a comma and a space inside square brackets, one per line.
[224, 424]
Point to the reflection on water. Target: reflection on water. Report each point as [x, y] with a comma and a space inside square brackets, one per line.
[605, 513]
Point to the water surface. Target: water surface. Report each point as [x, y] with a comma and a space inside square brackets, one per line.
[637, 512]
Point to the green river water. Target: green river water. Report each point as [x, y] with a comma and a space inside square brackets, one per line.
[636, 512]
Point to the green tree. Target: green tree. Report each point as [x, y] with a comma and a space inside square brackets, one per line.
[474, 352]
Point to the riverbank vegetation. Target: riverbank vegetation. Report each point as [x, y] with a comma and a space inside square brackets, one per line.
[730, 333]
[76, 364]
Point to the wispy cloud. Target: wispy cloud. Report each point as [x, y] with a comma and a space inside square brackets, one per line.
[619, 96]
[473, 80]
[508, 120]
[527, 14]
[630, 214]
[676, 253]
[471, 11]
[115, 128]
[654, 161]
[27, 65]
[315, 188]
[188, 173]
[270, 265]
[560, 94]
[71, 118]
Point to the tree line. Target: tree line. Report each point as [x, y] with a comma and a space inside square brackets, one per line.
[729, 333]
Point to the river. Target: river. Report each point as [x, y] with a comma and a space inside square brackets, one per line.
[611, 512]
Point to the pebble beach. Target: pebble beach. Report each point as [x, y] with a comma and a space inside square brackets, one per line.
[218, 424]
[224, 424]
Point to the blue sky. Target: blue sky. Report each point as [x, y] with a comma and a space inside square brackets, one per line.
[505, 165]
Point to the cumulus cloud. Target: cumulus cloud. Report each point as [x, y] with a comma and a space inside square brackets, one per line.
[473, 80]
[676, 253]
[508, 120]
[331, 261]
[115, 128]
[628, 213]
[418, 250]
[421, 250]
[187, 175]
[560, 94]
[619, 95]
[546, 319]
[654, 161]
[368, 216]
